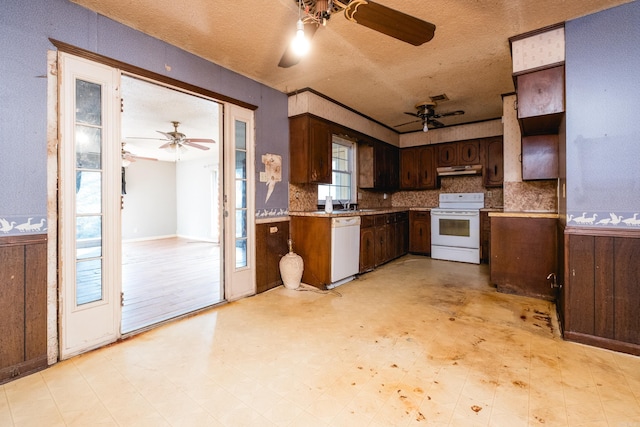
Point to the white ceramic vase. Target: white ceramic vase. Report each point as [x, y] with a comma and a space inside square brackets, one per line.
[291, 268]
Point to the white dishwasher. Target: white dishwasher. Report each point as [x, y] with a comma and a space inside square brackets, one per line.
[345, 249]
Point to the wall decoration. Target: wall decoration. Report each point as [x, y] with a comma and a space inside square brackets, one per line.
[15, 225]
[604, 219]
[272, 172]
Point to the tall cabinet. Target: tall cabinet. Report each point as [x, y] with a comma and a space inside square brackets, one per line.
[310, 140]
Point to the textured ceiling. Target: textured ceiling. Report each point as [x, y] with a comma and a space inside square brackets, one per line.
[468, 59]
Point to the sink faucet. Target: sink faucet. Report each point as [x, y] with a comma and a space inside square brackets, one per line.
[346, 204]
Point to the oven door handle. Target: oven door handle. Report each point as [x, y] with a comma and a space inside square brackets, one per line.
[469, 214]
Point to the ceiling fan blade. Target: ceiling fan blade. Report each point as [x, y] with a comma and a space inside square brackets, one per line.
[435, 123]
[408, 123]
[194, 145]
[207, 140]
[451, 113]
[141, 137]
[391, 22]
[413, 114]
[165, 145]
[289, 57]
[169, 137]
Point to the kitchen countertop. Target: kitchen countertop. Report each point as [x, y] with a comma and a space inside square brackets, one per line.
[373, 211]
[524, 214]
[341, 213]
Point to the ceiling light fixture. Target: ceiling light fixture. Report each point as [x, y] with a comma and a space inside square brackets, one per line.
[300, 44]
[425, 128]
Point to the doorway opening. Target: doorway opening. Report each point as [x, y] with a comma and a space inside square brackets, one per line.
[171, 231]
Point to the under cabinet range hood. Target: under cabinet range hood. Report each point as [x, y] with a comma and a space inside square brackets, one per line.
[460, 170]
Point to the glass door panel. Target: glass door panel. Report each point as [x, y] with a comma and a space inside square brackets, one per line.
[241, 193]
[88, 154]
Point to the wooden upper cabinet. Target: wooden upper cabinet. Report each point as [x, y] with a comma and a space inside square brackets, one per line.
[310, 150]
[493, 174]
[427, 168]
[468, 152]
[460, 153]
[378, 165]
[417, 168]
[408, 169]
[541, 100]
[447, 154]
[539, 157]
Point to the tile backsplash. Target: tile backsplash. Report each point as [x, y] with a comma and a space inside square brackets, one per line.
[493, 197]
[303, 197]
[536, 196]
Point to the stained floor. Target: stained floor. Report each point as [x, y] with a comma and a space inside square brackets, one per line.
[418, 342]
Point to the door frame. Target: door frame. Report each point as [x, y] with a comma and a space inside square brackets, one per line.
[54, 309]
[104, 314]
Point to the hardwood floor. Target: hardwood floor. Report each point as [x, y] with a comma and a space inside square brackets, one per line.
[165, 278]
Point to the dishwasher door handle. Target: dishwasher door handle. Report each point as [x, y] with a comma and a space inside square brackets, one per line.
[345, 221]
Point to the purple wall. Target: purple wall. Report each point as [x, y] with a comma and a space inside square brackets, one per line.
[602, 120]
[26, 26]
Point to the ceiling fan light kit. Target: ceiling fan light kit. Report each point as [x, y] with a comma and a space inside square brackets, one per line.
[177, 142]
[372, 15]
[427, 115]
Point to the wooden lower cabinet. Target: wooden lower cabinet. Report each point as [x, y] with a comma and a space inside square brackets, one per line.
[523, 254]
[311, 238]
[485, 237]
[420, 232]
[401, 234]
[601, 295]
[382, 238]
[271, 245]
[23, 306]
[367, 243]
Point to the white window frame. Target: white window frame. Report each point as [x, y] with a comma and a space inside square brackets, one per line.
[353, 155]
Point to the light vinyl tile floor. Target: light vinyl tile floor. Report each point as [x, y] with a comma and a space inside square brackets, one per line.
[418, 342]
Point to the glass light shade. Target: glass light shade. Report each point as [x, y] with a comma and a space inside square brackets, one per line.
[300, 44]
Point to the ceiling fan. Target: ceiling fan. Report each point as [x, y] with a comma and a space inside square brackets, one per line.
[176, 140]
[380, 18]
[128, 157]
[427, 115]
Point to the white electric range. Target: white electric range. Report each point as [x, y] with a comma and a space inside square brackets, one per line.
[455, 227]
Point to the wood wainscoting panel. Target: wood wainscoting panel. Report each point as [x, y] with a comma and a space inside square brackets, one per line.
[626, 290]
[601, 288]
[23, 305]
[271, 246]
[11, 306]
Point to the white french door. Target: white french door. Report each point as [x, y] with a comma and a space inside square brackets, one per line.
[89, 205]
[239, 206]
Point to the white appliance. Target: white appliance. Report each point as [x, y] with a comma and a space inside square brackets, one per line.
[455, 227]
[345, 249]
